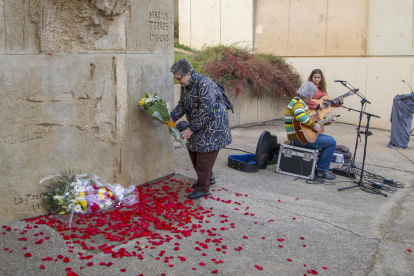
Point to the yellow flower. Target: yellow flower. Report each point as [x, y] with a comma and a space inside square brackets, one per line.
[142, 102]
[101, 196]
[82, 194]
[84, 204]
[110, 194]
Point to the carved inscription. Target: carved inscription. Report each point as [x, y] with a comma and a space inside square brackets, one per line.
[33, 202]
[158, 22]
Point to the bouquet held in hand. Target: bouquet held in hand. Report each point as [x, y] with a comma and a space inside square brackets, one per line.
[159, 111]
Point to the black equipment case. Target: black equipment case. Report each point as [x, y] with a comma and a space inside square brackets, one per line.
[266, 154]
[297, 161]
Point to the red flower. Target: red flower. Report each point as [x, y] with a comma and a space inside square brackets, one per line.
[28, 255]
[95, 208]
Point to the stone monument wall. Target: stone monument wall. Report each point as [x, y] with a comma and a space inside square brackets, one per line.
[72, 73]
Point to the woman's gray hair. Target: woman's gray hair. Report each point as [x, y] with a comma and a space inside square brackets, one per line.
[307, 89]
[182, 67]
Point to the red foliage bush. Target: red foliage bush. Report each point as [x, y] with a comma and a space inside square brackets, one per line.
[236, 68]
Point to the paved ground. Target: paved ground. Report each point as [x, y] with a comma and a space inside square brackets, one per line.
[285, 226]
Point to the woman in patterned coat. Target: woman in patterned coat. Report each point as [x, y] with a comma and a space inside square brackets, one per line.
[201, 100]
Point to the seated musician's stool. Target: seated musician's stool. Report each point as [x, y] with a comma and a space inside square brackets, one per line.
[297, 161]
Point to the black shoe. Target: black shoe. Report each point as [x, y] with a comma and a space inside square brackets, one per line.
[325, 175]
[197, 194]
[212, 181]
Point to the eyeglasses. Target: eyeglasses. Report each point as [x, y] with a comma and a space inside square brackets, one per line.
[179, 79]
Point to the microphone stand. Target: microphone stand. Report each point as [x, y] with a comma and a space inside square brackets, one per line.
[367, 133]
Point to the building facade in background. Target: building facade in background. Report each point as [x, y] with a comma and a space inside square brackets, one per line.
[368, 43]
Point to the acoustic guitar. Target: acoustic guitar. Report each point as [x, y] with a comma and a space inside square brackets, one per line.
[322, 113]
[307, 135]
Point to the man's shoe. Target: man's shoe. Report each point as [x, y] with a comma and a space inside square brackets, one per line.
[325, 175]
[212, 181]
[197, 194]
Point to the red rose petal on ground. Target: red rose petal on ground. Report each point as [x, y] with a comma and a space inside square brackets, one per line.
[280, 245]
[263, 238]
[409, 250]
[258, 267]
[60, 257]
[289, 260]
[304, 245]
[214, 271]
[202, 264]
[182, 258]
[280, 240]
[245, 237]
[24, 248]
[66, 260]
[176, 248]
[68, 269]
[90, 264]
[28, 255]
[42, 267]
[102, 263]
[122, 269]
[194, 268]
[324, 268]
[170, 265]
[302, 238]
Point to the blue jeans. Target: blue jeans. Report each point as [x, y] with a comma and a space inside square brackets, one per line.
[327, 144]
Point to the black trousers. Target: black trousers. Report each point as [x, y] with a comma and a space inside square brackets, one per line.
[203, 163]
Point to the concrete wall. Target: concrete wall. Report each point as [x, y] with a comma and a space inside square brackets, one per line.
[70, 92]
[214, 22]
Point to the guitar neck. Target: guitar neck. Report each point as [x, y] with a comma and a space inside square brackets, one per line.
[343, 96]
[325, 121]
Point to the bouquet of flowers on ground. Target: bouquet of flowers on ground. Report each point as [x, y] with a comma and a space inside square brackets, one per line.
[159, 111]
[70, 193]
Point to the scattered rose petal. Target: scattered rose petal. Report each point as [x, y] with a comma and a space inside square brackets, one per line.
[409, 250]
[302, 238]
[258, 267]
[280, 245]
[202, 264]
[90, 264]
[280, 240]
[304, 245]
[68, 269]
[289, 260]
[214, 271]
[245, 237]
[123, 269]
[324, 268]
[28, 255]
[66, 260]
[42, 267]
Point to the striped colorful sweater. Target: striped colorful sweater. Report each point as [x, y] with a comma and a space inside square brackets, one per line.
[300, 111]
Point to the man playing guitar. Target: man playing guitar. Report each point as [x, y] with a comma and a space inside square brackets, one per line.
[297, 110]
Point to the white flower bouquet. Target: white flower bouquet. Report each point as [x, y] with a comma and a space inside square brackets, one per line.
[70, 193]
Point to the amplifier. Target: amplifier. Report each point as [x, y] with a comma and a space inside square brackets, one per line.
[297, 161]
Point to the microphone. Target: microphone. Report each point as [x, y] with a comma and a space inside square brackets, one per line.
[341, 81]
[408, 85]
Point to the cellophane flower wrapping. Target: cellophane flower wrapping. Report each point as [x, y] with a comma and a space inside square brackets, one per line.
[71, 194]
[159, 111]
